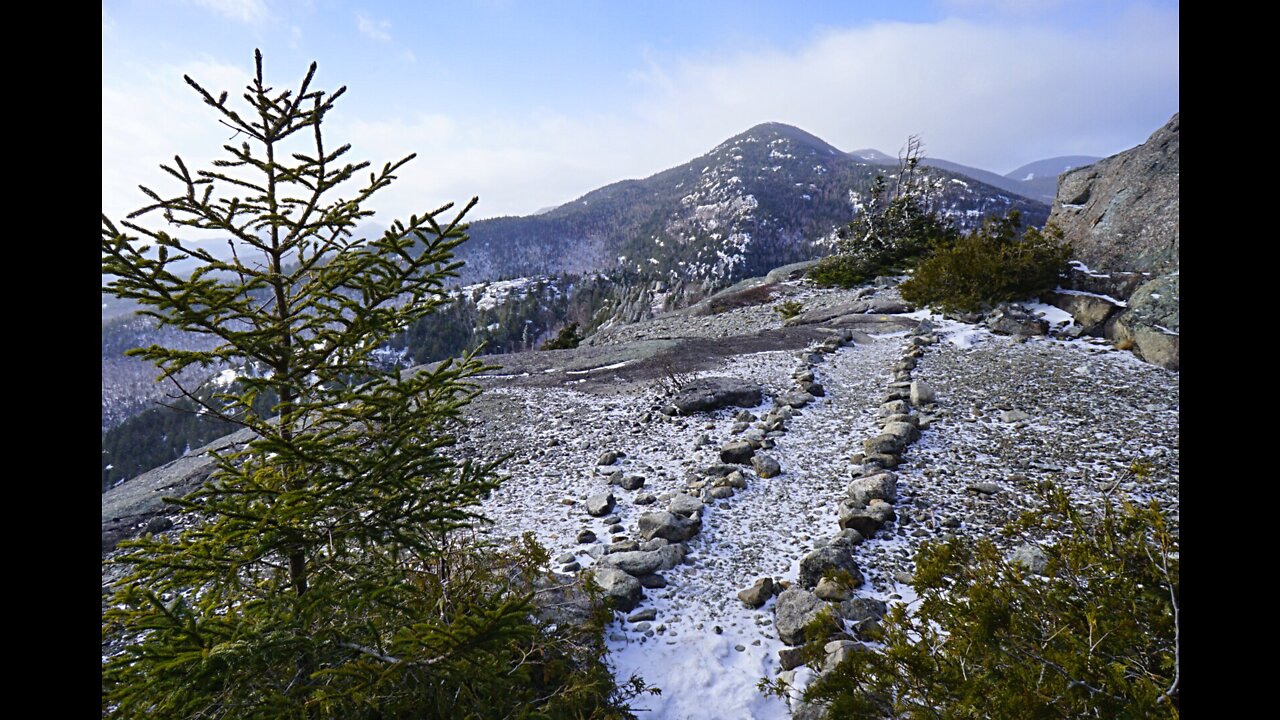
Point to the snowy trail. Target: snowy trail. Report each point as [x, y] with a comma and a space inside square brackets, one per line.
[761, 531]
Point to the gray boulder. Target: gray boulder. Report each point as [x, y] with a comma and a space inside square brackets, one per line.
[795, 609]
[922, 393]
[1150, 325]
[838, 558]
[631, 482]
[883, 443]
[795, 399]
[668, 526]
[687, 505]
[641, 562]
[625, 591]
[713, 393]
[758, 594]
[600, 504]
[882, 486]
[765, 466]
[739, 452]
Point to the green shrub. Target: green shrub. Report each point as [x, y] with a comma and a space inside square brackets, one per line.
[567, 339]
[884, 239]
[788, 309]
[989, 266]
[1095, 636]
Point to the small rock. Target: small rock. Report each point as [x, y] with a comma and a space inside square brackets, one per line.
[795, 399]
[158, 525]
[737, 452]
[986, 488]
[895, 407]
[600, 504]
[723, 492]
[758, 594]
[1030, 558]
[883, 444]
[632, 482]
[765, 466]
[922, 393]
[571, 567]
[646, 614]
[586, 536]
[790, 658]
[566, 558]
[608, 457]
[1012, 416]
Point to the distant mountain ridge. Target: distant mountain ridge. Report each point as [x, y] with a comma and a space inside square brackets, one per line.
[764, 198]
[1036, 180]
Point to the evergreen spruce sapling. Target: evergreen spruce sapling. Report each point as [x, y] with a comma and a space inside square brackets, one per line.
[894, 229]
[329, 568]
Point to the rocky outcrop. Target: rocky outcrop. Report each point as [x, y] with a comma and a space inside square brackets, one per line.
[1121, 216]
[1121, 213]
[1150, 324]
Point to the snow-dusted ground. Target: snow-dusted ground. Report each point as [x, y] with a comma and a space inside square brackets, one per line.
[761, 531]
[1090, 412]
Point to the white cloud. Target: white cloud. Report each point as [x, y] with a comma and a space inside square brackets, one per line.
[246, 11]
[152, 115]
[375, 29]
[978, 95]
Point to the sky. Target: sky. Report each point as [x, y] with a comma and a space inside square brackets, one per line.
[531, 104]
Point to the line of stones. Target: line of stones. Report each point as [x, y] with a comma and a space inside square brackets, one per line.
[829, 574]
[625, 567]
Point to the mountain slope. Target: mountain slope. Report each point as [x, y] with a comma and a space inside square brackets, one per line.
[761, 199]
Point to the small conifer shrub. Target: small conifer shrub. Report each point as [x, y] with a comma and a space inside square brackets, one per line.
[989, 266]
[1094, 635]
